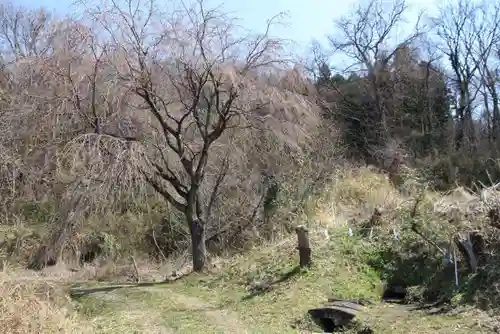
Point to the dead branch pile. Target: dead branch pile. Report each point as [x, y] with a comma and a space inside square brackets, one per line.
[475, 219]
[469, 205]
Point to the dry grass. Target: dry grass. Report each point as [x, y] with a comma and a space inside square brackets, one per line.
[364, 187]
[39, 302]
[354, 194]
[36, 305]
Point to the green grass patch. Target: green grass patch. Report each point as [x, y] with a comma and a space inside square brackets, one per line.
[272, 295]
[138, 310]
[269, 291]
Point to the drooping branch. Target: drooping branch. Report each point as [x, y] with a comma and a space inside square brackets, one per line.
[193, 96]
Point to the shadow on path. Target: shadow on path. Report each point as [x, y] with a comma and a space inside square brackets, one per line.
[265, 287]
[76, 292]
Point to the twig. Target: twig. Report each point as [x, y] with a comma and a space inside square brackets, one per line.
[158, 246]
[136, 269]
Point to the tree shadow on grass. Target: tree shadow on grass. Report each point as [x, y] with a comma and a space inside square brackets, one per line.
[76, 293]
[267, 286]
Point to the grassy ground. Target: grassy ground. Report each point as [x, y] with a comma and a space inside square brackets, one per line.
[263, 290]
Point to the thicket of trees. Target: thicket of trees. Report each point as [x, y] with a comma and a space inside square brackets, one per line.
[131, 102]
[429, 97]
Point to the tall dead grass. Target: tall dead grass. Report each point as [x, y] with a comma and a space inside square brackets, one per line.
[354, 193]
[36, 305]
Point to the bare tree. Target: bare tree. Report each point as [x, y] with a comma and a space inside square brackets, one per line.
[487, 28]
[468, 33]
[24, 33]
[368, 37]
[25, 38]
[189, 82]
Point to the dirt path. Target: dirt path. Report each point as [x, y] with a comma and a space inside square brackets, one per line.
[158, 309]
[226, 320]
[128, 316]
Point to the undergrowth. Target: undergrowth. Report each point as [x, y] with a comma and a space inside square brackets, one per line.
[264, 285]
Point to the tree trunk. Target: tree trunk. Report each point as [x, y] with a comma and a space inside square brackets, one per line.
[198, 235]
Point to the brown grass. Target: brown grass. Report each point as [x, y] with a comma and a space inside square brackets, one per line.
[354, 194]
[39, 302]
[36, 305]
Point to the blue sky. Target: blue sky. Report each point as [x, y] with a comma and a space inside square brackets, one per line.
[307, 19]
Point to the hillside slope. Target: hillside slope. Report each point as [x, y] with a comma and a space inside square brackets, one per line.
[264, 291]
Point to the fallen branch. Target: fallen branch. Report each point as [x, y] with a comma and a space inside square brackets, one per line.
[429, 241]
